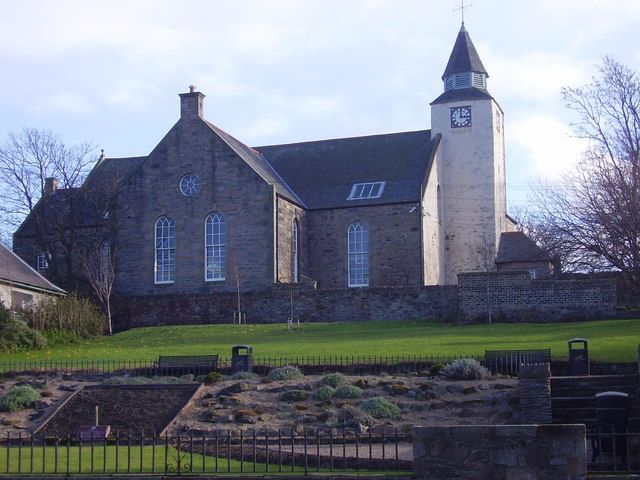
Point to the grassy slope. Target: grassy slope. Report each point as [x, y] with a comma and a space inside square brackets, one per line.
[609, 340]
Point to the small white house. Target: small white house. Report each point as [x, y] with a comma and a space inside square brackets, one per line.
[19, 283]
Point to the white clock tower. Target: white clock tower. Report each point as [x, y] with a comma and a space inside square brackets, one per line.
[471, 163]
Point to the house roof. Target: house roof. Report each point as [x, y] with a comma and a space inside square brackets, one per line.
[517, 247]
[464, 56]
[256, 161]
[109, 170]
[14, 270]
[323, 172]
[56, 207]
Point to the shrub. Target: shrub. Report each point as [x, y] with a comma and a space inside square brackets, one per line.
[351, 416]
[434, 370]
[295, 396]
[348, 391]
[285, 373]
[15, 334]
[380, 408]
[212, 377]
[65, 319]
[324, 393]
[18, 398]
[361, 383]
[333, 380]
[465, 369]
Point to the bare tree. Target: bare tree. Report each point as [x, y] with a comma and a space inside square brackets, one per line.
[547, 239]
[593, 210]
[98, 264]
[27, 159]
[98, 260]
[238, 314]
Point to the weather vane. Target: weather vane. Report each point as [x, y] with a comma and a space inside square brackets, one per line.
[461, 7]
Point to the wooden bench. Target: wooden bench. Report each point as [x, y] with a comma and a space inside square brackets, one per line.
[508, 361]
[182, 364]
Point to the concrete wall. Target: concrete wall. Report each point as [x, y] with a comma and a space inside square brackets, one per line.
[500, 452]
[515, 296]
[394, 244]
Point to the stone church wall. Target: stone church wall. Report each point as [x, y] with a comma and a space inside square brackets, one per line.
[287, 213]
[394, 244]
[246, 201]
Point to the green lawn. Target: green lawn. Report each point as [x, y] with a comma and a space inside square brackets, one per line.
[609, 340]
[130, 461]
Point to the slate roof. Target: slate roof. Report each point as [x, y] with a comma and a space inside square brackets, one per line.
[109, 169]
[261, 166]
[13, 270]
[460, 94]
[323, 172]
[464, 56]
[517, 247]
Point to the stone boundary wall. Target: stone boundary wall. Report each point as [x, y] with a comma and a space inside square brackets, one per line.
[516, 297]
[275, 306]
[500, 452]
[509, 296]
[535, 393]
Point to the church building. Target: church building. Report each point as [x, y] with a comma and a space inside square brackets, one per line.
[204, 212]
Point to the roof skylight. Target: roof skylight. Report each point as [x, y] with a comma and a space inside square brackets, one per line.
[363, 191]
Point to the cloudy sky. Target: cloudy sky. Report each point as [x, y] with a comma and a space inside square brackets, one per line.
[278, 71]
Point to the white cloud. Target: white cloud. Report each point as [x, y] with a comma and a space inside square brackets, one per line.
[544, 146]
[536, 77]
[262, 129]
[64, 102]
[131, 93]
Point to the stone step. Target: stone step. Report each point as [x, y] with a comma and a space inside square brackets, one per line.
[597, 379]
[591, 390]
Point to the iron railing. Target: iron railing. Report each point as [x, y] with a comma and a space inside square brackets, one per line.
[613, 450]
[227, 451]
[507, 362]
[351, 364]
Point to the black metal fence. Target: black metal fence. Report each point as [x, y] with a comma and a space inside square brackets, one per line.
[613, 450]
[218, 452]
[371, 364]
[508, 361]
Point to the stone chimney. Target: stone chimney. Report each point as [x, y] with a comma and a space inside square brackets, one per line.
[50, 185]
[191, 103]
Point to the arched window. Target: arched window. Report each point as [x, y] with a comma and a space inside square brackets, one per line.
[215, 247]
[358, 249]
[105, 258]
[295, 250]
[165, 262]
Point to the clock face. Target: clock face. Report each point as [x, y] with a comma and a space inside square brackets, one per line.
[461, 116]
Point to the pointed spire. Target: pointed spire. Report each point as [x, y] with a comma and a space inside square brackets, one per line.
[464, 56]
